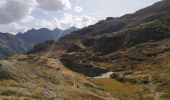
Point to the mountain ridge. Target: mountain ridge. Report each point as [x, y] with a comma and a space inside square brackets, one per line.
[22, 42]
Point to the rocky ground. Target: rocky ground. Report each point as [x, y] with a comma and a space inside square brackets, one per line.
[39, 78]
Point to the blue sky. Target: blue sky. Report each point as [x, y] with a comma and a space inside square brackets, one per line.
[62, 14]
[104, 8]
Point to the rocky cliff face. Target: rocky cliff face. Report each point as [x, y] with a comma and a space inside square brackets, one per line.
[153, 31]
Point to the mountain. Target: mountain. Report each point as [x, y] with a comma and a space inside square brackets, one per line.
[66, 32]
[135, 47]
[22, 42]
[34, 36]
[10, 44]
[151, 13]
[89, 37]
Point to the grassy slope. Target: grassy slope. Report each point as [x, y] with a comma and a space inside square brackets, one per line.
[154, 69]
[33, 77]
[117, 89]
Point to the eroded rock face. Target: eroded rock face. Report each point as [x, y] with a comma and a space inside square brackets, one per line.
[73, 48]
[129, 38]
[88, 42]
[77, 64]
[108, 44]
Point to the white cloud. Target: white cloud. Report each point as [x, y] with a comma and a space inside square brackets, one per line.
[12, 28]
[45, 23]
[67, 21]
[2, 3]
[15, 10]
[78, 9]
[15, 15]
[54, 5]
[27, 18]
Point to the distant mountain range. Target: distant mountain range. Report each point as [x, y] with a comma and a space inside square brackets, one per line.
[22, 42]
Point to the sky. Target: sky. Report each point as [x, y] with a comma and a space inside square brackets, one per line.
[22, 15]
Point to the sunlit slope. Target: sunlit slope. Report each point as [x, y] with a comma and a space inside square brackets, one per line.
[34, 77]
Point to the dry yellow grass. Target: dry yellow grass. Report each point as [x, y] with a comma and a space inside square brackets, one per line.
[117, 89]
[44, 78]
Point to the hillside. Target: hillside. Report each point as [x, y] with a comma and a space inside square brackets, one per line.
[87, 36]
[135, 47]
[38, 78]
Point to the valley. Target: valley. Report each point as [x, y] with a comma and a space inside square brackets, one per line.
[123, 58]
